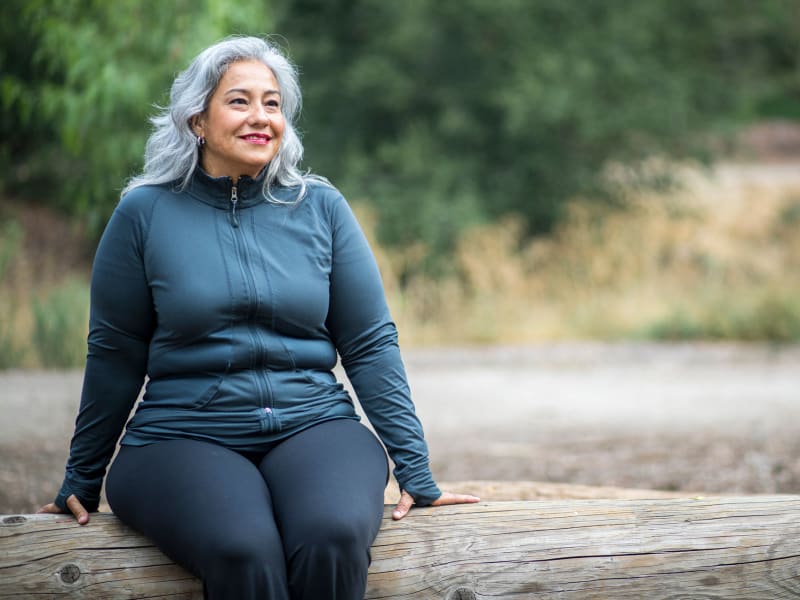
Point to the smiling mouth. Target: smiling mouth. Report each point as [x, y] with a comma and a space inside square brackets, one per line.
[256, 138]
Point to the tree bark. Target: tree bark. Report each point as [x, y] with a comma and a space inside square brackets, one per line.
[660, 549]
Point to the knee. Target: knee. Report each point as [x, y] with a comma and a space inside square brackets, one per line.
[245, 565]
[242, 551]
[337, 538]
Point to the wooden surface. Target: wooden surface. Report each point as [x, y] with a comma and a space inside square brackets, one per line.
[539, 490]
[657, 549]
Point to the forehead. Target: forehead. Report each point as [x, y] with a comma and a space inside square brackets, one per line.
[248, 74]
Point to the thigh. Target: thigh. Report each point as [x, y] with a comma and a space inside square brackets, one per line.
[334, 472]
[193, 499]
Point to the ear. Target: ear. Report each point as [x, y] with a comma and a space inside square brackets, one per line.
[197, 123]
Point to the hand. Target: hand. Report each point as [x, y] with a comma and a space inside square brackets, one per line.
[75, 507]
[406, 501]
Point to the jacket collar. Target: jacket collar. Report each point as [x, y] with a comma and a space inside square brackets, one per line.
[218, 191]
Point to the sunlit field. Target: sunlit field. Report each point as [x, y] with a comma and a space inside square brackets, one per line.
[716, 258]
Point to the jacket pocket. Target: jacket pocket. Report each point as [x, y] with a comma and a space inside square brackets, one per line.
[318, 377]
[209, 395]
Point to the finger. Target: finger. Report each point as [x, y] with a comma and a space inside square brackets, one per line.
[448, 498]
[76, 508]
[49, 508]
[403, 506]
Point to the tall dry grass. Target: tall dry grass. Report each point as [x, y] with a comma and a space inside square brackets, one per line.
[43, 288]
[718, 258]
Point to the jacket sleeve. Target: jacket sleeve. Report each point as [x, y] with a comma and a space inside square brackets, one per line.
[366, 338]
[121, 322]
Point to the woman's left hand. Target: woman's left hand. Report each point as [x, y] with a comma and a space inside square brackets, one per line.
[406, 501]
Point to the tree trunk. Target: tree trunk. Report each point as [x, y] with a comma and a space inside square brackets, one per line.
[659, 549]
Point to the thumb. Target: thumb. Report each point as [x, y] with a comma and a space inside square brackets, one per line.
[403, 506]
[76, 508]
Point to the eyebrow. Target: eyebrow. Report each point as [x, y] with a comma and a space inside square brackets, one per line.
[244, 91]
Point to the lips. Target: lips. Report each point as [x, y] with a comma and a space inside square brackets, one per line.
[256, 138]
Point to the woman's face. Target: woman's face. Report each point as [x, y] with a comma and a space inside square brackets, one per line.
[243, 123]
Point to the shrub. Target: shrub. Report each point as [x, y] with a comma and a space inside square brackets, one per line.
[60, 325]
[11, 354]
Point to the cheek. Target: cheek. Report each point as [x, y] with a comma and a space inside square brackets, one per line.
[279, 126]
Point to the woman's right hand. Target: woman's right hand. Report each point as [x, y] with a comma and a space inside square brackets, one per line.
[75, 507]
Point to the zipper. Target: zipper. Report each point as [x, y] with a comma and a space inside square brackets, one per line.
[260, 379]
[233, 217]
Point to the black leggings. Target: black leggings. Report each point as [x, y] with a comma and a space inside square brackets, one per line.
[296, 523]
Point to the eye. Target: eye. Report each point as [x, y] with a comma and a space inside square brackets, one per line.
[272, 104]
[241, 101]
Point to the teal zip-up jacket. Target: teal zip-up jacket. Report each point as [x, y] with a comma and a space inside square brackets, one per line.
[235, 308]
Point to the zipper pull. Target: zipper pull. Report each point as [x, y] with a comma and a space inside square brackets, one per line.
[233, 217]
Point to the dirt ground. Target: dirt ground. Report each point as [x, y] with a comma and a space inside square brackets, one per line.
[694, 417]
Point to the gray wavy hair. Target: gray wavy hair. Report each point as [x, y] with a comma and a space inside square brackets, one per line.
[171, 152]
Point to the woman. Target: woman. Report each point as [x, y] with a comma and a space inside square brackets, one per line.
[232, 281]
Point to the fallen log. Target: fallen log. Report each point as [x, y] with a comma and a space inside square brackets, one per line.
[660, 549]
[540, 490]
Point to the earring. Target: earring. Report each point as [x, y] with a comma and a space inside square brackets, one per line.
[201, 141]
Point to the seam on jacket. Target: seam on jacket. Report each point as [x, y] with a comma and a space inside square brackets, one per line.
[218, 224]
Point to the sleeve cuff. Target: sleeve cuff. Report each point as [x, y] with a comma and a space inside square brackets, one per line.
[423, 496]
[89, 502]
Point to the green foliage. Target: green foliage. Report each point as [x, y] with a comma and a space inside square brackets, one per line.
[11, 354]
[441, 114]
[75, 103]
[60, 325]
[10, 245]
[789, 217]
[447, 113]
[771, 316]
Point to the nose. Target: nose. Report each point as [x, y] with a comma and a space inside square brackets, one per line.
[259, 115]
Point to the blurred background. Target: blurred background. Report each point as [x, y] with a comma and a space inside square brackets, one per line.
[527, 170]
[531, 173]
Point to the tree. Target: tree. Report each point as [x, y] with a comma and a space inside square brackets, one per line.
[444, 113]
[76, 102]
[439, 113]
